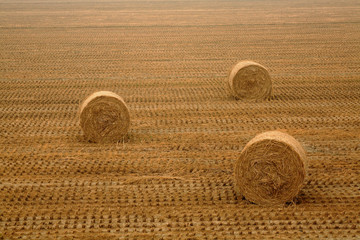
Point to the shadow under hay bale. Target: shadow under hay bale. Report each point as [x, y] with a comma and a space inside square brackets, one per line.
[271, 169]
[104, 117]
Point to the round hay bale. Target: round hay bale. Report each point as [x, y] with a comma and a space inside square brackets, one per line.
[271, 169]
[249, 81]
[104, 117]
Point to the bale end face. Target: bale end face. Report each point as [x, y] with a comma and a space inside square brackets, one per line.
[271, 169]
[250, 81]
[104, 117]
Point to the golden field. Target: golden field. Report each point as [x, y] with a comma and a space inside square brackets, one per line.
[172, 176]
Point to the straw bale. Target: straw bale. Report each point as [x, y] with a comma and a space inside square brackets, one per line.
[271, 169]
[249, 80]
[104, 117]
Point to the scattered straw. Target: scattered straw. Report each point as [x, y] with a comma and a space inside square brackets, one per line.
[271, 169]
[249, 81]
[104, 117]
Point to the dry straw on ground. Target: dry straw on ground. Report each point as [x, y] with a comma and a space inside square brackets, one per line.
[104, 117]
[249, 81]
[271, 169]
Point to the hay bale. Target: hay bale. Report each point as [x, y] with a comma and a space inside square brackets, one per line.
[104, 117]
[271, 169]
[249, 81]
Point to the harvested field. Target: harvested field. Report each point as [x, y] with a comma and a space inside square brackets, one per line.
[172, 177]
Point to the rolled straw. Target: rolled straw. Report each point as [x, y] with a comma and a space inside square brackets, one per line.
[271, 169]
[104, 117]
[250, 81]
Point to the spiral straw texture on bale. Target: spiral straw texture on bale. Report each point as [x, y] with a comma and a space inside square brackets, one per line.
[250, 81]
[271, 169]
[104, 117]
